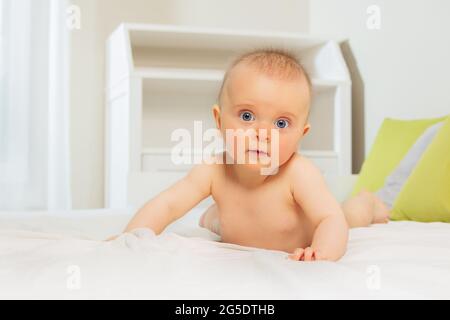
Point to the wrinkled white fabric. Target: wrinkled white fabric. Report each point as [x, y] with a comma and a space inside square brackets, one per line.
[397, 260]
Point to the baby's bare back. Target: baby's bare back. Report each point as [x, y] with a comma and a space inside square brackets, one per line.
[264, 217]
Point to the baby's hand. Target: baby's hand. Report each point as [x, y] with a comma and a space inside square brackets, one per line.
[308, 254]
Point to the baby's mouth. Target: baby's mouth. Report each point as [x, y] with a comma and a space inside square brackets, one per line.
[258, 152]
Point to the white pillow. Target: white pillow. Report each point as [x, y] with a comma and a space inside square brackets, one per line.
[395, 181]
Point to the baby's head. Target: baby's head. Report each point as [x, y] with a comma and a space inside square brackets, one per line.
[266, 89]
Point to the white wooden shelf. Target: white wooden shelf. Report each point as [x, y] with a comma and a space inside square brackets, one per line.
[163, 77]
[173, 36]
[180, 74]
[209, 75]
[160, 79]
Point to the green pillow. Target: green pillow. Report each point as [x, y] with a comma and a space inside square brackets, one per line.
[392, 143]
[425, 197]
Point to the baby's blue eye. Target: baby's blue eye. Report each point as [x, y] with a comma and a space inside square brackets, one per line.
[282, 124]
[247, 116]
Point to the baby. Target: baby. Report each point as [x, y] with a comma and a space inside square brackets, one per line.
[292, 209]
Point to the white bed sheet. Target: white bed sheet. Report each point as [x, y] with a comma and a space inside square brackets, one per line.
[60, 255]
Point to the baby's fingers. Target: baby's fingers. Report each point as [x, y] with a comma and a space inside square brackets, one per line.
[319, 256]
[297, 255]
[309, 253]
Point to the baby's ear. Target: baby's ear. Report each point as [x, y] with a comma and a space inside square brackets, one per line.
[306, 129]
[216, 114]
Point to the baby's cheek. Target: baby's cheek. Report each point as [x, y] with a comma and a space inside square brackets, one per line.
[284, 151]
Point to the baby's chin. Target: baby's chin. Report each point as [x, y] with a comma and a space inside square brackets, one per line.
[261, 169]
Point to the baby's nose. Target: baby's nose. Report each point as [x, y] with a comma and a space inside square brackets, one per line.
[263, 131]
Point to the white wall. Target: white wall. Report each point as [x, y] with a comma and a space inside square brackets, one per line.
[98, 20]
[402, 69]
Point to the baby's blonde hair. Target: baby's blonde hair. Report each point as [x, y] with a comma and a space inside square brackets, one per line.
[271, 61]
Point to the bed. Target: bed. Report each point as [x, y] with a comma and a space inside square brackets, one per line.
[60, 255]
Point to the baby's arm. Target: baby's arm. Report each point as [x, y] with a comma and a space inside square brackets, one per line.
[174, 202]
[319, 205]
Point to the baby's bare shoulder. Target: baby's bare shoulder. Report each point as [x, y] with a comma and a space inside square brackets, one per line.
[309, 189]
[207, 169]
[301, 166]
[302, 170]
[202, 175]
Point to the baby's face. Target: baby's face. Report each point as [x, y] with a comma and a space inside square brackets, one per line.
[253, 100]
